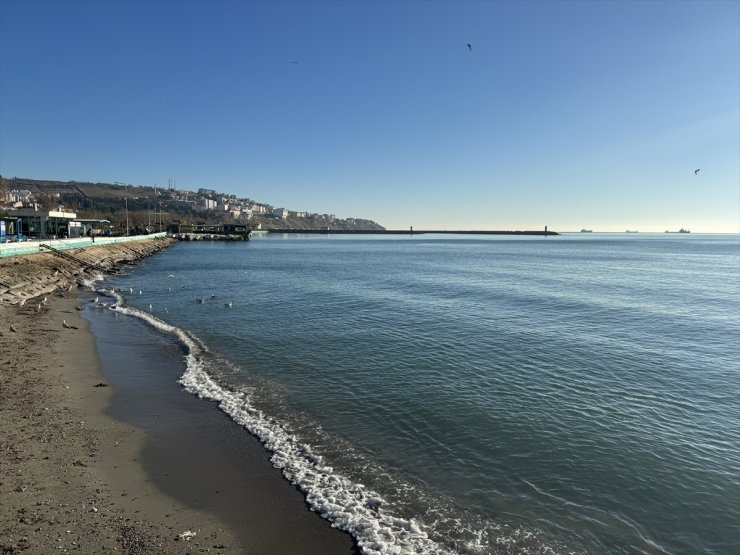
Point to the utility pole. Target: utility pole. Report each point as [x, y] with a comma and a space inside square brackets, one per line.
[126, 198]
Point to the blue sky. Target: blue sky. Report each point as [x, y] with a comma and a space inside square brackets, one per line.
[566, 114]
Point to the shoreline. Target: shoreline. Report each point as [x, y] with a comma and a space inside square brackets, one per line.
[74, 476]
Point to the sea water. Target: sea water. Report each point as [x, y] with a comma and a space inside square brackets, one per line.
[439, 394]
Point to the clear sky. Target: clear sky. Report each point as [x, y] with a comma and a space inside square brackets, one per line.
[566, 114]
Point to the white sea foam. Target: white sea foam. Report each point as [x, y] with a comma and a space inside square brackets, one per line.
[348, 505]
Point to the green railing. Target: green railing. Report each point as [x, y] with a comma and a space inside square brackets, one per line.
[32, 247]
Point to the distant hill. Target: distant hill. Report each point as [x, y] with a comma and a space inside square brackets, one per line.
[147, 206]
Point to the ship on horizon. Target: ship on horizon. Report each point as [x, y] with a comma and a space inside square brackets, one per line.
[682, 230]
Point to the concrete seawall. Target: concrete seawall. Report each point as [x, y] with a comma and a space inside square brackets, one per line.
[27, 275]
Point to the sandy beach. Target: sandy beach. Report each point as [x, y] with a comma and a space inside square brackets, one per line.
[74, 478]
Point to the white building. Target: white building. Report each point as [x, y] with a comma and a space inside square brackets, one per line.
[280, 213]
[207, 203]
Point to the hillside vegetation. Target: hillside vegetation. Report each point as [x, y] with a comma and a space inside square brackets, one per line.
[150, 206]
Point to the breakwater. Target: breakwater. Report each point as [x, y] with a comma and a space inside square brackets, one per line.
[541, 232]
[26, 276]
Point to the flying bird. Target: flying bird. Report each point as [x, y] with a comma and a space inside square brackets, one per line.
[470, 47]
[294, 63]
[696, 172]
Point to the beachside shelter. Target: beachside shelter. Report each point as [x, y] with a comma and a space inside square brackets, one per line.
[40, 224]
[92, 226]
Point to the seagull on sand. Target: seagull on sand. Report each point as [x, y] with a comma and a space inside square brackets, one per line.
[12, 328]
[44, 301]
[68, 326]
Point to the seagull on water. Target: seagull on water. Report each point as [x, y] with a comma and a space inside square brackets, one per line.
[228, 305]
[150, 308]
[201, 301]
[94, 300]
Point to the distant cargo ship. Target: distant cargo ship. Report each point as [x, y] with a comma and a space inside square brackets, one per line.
[587, 231]
[682, 230]
[631, 231]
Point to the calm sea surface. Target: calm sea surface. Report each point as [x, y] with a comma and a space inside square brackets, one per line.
[479, 394]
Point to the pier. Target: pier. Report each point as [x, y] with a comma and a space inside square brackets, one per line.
[204, 232]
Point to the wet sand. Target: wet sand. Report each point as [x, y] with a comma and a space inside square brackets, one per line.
[132, 466]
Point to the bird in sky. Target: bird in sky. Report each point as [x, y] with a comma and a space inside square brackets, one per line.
[470, 47]
[294, 63]
[696, 172]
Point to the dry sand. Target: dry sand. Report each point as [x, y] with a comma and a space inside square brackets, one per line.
[70, 480]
